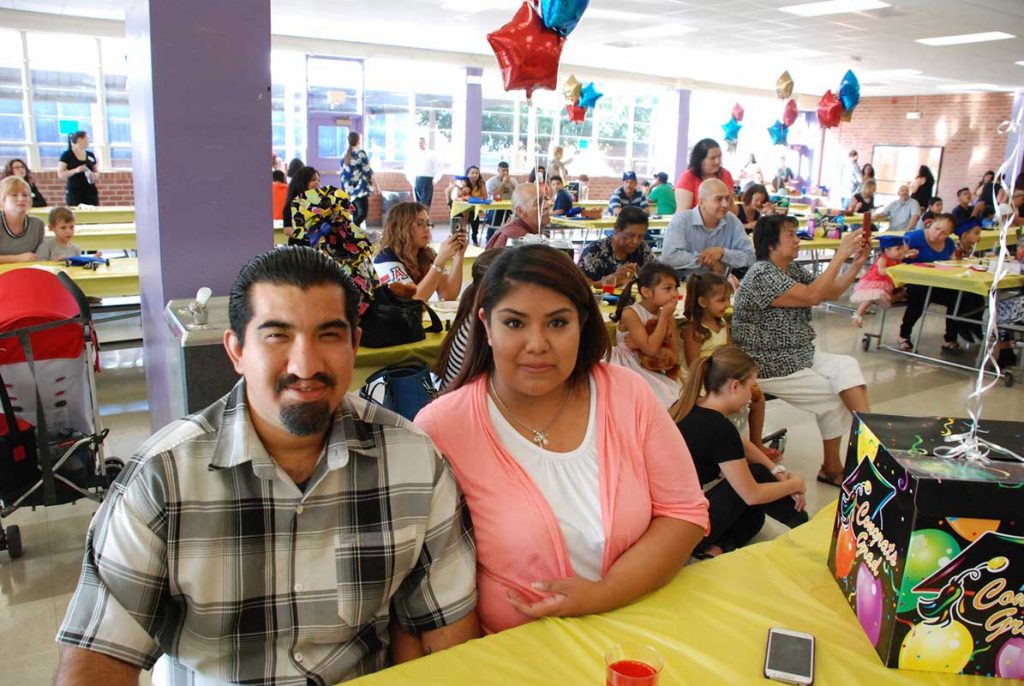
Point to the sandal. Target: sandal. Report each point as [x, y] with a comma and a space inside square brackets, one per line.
[952, 347]
[905, 345]
[858, 321]
[831, 478]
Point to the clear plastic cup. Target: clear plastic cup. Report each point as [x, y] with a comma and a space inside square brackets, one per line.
[633, 664]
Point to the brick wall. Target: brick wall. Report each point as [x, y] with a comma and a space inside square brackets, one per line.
[115, 187]
[964, 124]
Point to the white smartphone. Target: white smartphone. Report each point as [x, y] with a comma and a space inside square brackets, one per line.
[789, 656]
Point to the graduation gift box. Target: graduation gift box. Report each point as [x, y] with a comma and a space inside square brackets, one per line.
[929, 550]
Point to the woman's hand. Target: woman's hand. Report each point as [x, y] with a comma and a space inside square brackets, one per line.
[851, 245]
[625, 273]
[449, 247]
[571, 597]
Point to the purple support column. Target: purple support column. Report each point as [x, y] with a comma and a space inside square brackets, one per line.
[1012, 138]
[474, 115]
[199, 87]
[682, 132]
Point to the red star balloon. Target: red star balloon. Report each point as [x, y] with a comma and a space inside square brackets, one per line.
[789, 114]
[829, 110]
[577, 114]
[527, 52]
[737, 112]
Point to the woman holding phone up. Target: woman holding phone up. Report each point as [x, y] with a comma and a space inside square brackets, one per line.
[406, 264]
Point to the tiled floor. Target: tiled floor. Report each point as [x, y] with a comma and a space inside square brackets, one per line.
[35, 589]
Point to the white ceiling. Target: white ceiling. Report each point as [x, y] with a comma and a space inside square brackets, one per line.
[745, 43]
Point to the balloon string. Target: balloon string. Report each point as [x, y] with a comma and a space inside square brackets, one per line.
[969, 445]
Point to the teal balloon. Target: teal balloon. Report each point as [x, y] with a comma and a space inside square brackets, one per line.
[589, 96]
[731, 129]
[849, 90]
[779, 133]
[562, 15]
[930, 550]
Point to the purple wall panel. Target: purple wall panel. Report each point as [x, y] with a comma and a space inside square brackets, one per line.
[199, 85]
[474, 116]
[682, 133]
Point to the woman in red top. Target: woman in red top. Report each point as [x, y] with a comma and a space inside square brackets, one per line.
[705, 163]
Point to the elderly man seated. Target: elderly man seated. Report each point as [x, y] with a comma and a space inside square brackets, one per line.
[903, 212]
[527, 217]
[709, 236]
[627, 195]
[772, 324]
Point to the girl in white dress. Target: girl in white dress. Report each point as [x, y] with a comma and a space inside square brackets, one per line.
[647, 340]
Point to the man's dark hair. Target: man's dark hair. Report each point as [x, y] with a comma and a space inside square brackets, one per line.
[278, 176]
[294, 166]
[296, 266]
[555, 177]
[932, 201]
[767, 231]
[502, 165]
[965, 188]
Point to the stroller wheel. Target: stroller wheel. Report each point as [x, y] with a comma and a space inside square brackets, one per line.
[14, 541]
[113, 467]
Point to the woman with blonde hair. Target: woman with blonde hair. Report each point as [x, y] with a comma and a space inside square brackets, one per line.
[740, 493]
[405, 262]
[20, 234]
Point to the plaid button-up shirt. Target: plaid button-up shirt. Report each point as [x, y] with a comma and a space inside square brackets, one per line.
[206, 552]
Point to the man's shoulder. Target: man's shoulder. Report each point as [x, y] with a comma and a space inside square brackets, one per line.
[373, 429]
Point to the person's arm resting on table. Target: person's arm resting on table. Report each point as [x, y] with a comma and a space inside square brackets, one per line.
[675, 251]
[738, 249]
[437, 601]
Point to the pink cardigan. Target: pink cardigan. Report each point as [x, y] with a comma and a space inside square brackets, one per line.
[645, 472]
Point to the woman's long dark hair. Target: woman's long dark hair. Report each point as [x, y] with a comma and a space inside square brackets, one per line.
[699, 153]
[466, 309]
[924, 171]
[480, 185]
[73, 138]
[545, 267]
[9, 169]
[296, 188]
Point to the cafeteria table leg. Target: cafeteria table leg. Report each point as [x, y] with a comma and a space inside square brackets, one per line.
[924, 317]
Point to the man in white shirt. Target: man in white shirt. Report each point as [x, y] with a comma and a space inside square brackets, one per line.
[903, 212]
[423, 171]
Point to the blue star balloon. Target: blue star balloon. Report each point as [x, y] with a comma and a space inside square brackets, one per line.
[589, 96]
[849, 90]
[779, 132]
[731, 129]
[562, 15]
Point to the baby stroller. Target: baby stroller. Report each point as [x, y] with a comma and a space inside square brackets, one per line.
[51, 438]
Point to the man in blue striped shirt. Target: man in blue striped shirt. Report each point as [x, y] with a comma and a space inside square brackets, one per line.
[627, 195]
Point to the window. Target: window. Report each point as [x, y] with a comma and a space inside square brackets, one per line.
[63, 73]
[288, 104]
[335, 85]
[118, 114]
[13, 136]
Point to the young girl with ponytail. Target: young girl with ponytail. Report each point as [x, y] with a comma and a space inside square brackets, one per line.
[739, 492]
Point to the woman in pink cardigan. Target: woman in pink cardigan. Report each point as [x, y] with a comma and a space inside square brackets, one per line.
[581, 489]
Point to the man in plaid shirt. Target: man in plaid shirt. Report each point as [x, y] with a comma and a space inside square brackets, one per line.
[284, 534]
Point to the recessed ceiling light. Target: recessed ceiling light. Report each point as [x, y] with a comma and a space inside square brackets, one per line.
[615, 15]
[966, 38]
[818, 9]
[665, 31]
[1021, 63]
[892, 73]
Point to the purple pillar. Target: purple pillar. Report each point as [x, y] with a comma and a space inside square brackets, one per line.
[682, 132]
[1011, 140]
[473, 117]
[199, 86]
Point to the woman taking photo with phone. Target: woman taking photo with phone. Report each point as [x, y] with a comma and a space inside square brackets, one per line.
[405, 262]
[582, 492]
[78, 168]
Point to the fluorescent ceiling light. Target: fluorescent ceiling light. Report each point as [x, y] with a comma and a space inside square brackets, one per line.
[665, 31]
[1021, 63]
[913, 115]
[615, 15]
[472, 6]
[892, 73]
[819, 9]
[966, 38]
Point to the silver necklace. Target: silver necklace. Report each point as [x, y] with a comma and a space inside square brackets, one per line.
[540, 436]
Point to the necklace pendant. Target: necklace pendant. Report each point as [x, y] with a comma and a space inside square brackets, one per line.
[540, 437]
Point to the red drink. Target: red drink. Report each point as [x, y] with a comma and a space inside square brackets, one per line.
[608, 288]
[631, 673]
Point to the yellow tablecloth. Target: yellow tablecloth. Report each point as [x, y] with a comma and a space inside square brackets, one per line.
[111, 214]
[460, 206]
[657, 222]
[959, 279]
[99, 236]
[120, 279]
[710, 625]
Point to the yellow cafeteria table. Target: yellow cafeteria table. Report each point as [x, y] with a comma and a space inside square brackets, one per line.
[91, 237]
[460, 206]
[112, 214]
[120, 279]
[656, 222]
[961, 279]
[709, 624]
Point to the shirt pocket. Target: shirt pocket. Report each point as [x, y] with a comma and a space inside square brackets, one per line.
[370, 567]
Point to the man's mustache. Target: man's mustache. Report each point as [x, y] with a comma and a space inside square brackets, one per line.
[289, 380]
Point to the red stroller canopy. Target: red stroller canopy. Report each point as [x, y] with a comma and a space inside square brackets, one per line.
[30, 297]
